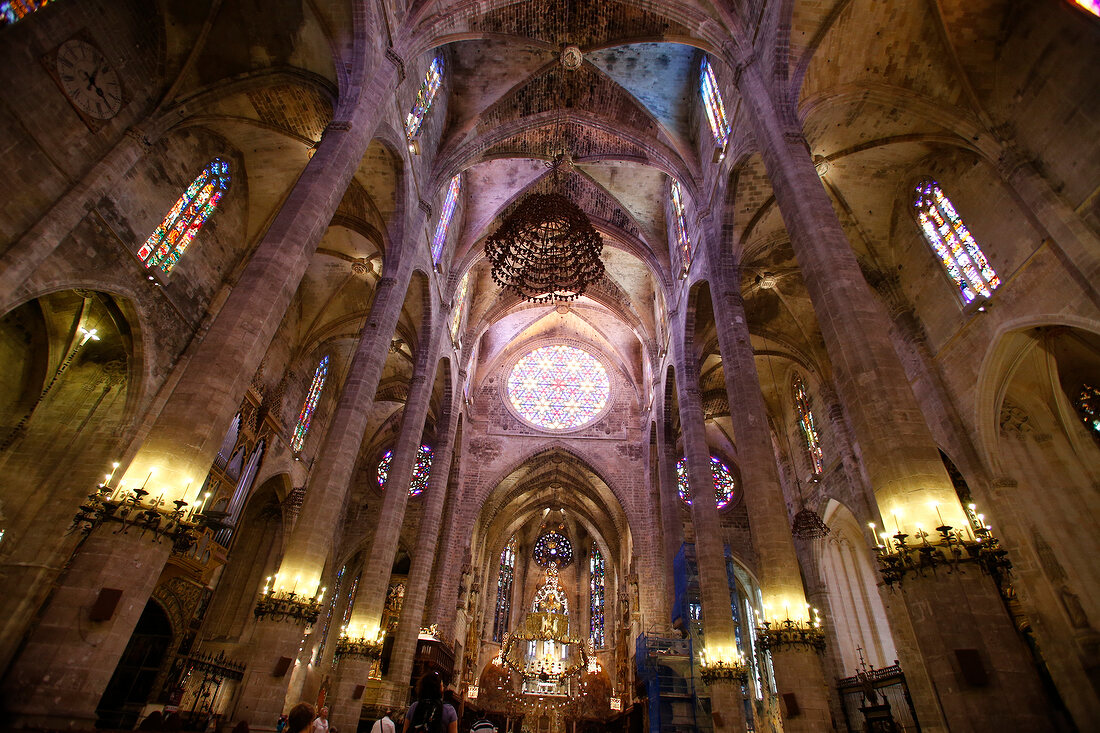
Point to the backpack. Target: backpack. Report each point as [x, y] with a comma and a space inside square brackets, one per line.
[428, 717]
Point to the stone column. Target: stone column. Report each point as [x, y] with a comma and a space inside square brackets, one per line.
[672, 525]
[374, 583]
[797, 671]
[185, 437]
[898, 452]
[311, 540]
[58, 679]
[346, 712]
[718, 625]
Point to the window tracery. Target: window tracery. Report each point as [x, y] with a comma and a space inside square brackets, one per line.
[433, 79]
[459, 307]
[420, 472]
[445, 216]
[597, 588]
[952, 242]
[679, 223]
[553, 548]
[504, 590]
[167, 243]
[310, 404]
[723, 482]
[810, 439]
[712, 101]
[558, 387]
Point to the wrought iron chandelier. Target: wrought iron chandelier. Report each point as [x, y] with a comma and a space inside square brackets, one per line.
[547, 249]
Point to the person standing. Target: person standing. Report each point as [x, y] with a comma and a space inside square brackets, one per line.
[429, 714]
[384, 724]
[320, 725]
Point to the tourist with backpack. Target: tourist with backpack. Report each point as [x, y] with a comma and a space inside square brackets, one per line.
[429, 714]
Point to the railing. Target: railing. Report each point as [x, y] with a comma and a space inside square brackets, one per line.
[888, 687]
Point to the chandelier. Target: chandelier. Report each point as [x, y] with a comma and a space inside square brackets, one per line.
[546, 250]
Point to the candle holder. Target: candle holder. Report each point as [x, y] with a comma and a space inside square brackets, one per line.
[711, 671]
[286, 605]
[363, 647]
[791, 634]
[949, 549]
[129, 509]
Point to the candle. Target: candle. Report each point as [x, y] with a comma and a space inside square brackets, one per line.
[896, 524]
[147, 478]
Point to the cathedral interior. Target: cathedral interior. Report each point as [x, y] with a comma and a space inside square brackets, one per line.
[635, 365]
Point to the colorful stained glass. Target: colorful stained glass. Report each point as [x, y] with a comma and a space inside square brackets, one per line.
[712, 101]
[948, 236]
[445, 217]
[433, 79]
[420, 473]
[166, 244]
[333, 600]
[723, 482]
[597, 587]
[12, 11]
[1093, 6]
[504, 590]
[459, 306]
[553, 548]
[806, 424]
[352, 591]
[558, 387]
[1088, 407]
[679, 223]
[306, 415]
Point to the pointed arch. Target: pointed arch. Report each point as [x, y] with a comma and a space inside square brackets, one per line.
[182, 223]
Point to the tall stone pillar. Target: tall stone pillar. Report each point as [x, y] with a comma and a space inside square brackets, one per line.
[672, 525]
[58, 679]
[718, 624]
[346, 711]
[954, 618]
[366, 617]
[798, 669]
[260, 696]
[186, 435]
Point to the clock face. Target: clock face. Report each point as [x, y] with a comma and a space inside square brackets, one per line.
[88, 80]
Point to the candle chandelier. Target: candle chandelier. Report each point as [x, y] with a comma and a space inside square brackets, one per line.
[546, 250]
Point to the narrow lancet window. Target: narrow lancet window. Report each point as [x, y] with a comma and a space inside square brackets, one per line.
[806, 425]
[679, 224]
[166, 244]
[712, 101]
[310, 404]
[952, 242]
[445, 217]
[504, 590]
[597, 586]
[459, 307]
[433, 79]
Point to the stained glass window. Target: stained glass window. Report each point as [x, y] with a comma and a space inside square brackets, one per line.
[723, 482]
[335, 598]
[166, 244]
[504, 589]
[948, 236]
[679, 222]
[712, 101]
[459, 306]
[553, 548]
[352, 591]
[1088, 407]
[433, 79]
[12, 11]
[806, 424]
[597, 586]
[445, 216]
[420, 473]
[314, 394]
[558, 387]
[1093, 6]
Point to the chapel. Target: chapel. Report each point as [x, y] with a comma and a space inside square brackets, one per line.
[648, 366]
